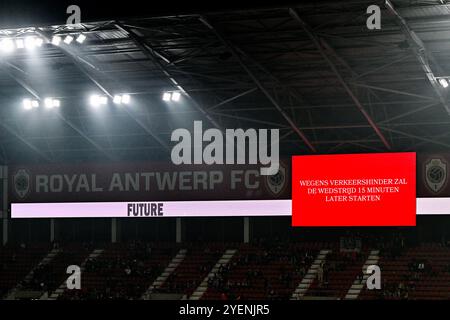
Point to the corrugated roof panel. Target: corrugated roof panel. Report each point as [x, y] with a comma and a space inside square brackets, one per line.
[425, 11]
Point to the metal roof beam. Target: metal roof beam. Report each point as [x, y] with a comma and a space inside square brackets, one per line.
[81, 64]
[422, 55]
[349, 91]
[231, 99]
[25, 141]
[413, 136]
[29, 89]
[258, 83]
[154, 56]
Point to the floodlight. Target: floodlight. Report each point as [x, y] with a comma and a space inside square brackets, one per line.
[27, 104]
[176, 96]
[443, 82]
[121, 98]
[38, 42]
[117, 99]
[48, 102]
[56, 40]
[68, 39]
[126, 98]
[96, 100]
[30, 42]
[20, 44]
[167, 96]
[52, 103]
[7, 45]
[81, 38]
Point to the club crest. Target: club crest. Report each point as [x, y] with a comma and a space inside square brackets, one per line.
[276, 183]
[21, 182]
[436, 174]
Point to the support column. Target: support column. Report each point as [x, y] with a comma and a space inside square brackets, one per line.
[5, 231]
[114, 230]
[4, 181]
[52, 229]
[246, 230]
[178, 230]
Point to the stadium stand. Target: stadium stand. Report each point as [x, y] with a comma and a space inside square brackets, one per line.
[338, 272]
[261, 269]
[267, 272]
[122, 270]
[47, 278]
[16, 262]
[193, 269]
[420, 272]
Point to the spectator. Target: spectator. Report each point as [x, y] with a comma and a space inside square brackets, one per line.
[320, 274]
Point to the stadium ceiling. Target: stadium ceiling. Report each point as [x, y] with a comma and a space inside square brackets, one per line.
[314, 71]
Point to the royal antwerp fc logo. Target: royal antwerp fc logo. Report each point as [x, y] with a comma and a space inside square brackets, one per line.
[21, 183]
[436, 174]
[276, 183]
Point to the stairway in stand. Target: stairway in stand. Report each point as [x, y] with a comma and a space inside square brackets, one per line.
[54, 296]
[310, 276]
[223, 261]
[166, 273]
[46, 260]
[358, 285]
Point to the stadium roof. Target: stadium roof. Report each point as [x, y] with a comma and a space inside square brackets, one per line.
[314, 70]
